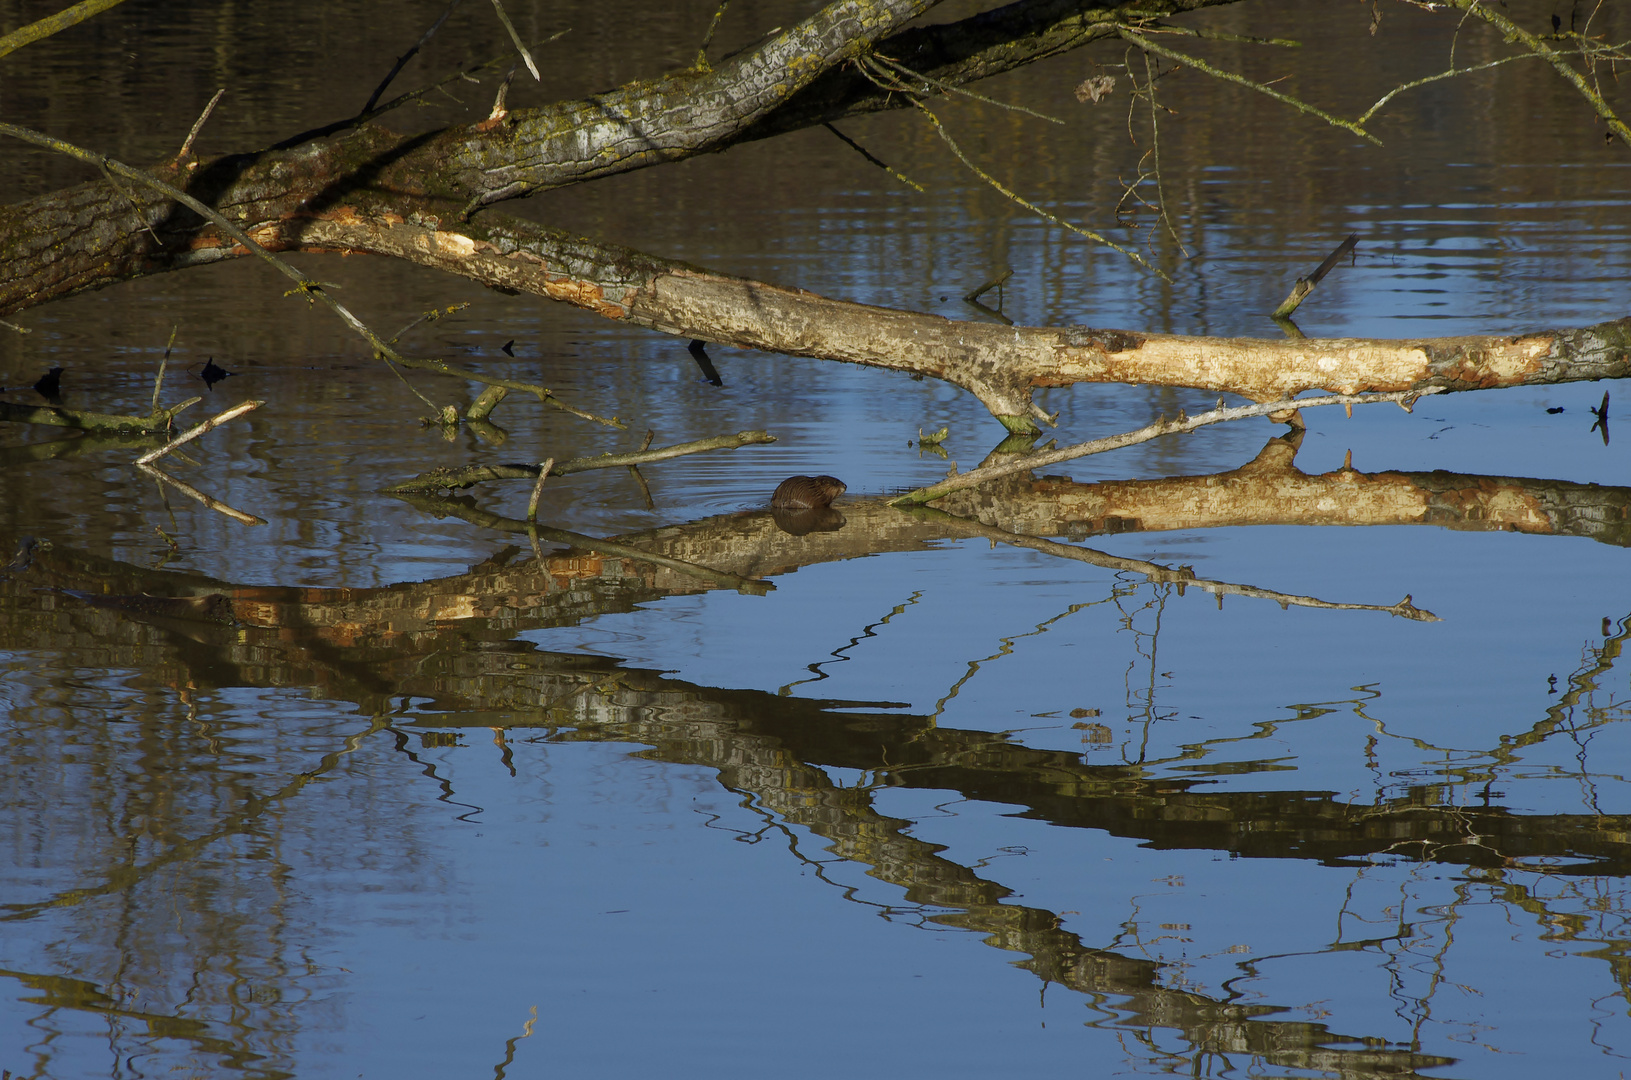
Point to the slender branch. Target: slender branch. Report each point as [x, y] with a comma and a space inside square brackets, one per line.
[948, 88]
[164, 361]
[538, 489]
[199, 429]
[198, 125]
[51, 24]
[1006, 193]
[859, 149]
[1219, 35]
[1454, 71]
[1512, 31]
[1305, 285]
[1133, 35]
[532, 65]
[402, 61]
[1404, 399]
[438, 479]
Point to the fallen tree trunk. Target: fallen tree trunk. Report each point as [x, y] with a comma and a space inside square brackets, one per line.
[409, 198]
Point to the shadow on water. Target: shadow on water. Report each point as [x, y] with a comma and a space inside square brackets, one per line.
[431, 661]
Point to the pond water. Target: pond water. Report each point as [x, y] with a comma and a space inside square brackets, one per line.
[995, 790]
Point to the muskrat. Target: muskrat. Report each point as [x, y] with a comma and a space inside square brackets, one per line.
[807, 492]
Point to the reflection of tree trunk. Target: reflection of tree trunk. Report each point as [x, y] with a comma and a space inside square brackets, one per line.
[452, 644]
[1270, 490]
[371, 646]
[410, 197]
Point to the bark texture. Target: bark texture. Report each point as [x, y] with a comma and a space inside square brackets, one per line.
[372, 191]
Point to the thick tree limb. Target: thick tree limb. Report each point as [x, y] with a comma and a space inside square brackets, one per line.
[1000, 365]
[381, 193]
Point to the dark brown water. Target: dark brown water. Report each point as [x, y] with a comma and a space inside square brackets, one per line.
[374, 788]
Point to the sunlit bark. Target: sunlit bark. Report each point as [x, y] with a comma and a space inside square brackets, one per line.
[418, 199]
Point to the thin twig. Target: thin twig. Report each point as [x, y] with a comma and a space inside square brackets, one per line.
[164, 361]
[1032, 207]
[14, 326]
[990, 283]
[1404, 398]
[429, 316]
[1131, 34]
[708, 38]
[203, 118]
[1397, 90]
[1305, 285]
[859, 149]
[1218, 35]
[948, 88]
[538, 489]
[1155, 151]
[200, 429]
[402, 61]
[1183, 577]
[498, 6]
[645, 488]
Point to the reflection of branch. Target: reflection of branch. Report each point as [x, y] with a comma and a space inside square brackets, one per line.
[198, 496]
[124, 877]
[488, 520]
[1183, 577]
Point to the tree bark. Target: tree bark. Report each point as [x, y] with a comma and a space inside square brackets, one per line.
[376, 192]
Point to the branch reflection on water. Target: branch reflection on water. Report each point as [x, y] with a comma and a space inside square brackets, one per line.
[449, 647]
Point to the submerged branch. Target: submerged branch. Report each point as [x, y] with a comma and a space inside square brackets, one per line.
[156, 423]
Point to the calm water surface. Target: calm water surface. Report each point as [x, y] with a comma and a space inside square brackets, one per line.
[991, 794]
